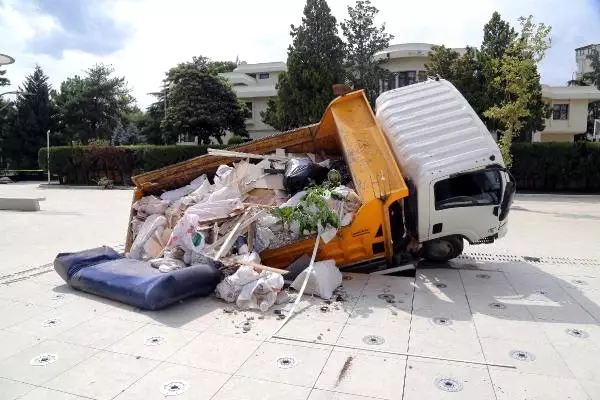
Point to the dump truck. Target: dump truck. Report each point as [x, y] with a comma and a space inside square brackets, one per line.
[428, 172]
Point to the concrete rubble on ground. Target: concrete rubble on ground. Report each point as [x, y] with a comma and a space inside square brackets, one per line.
[261, 202]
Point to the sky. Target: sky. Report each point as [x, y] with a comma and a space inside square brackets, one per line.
[142, 39]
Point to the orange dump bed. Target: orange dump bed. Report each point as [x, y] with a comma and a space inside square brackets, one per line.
[348, 128]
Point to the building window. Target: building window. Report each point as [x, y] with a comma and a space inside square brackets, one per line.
[560, 111]
[249, 107]
[422, 76]
[406, 78]
[252, 75]
[480, 188]
[263, 75]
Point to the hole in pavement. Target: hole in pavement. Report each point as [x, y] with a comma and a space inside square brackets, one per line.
[286, 362]
[386, 296]
[442, 321]
[522, 355]
[174, 388]
[448, 385]
[578, 333]
[498, 306]
[373, 340]
[441, 285]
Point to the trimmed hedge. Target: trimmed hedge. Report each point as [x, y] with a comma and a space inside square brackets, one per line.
[556, 167]
[86, 164]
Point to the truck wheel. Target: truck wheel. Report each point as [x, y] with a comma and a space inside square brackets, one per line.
[443, 249]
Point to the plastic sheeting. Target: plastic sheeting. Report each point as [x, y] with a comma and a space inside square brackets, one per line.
[104, 272]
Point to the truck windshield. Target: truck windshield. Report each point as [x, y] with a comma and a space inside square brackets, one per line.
[473, 189]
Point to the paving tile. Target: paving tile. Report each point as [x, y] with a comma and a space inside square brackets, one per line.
[259, 326]
[572, 334]
[562, 313]
[99, 332]
[215, 352]
[439, 280]
[318, 394]
[13, 343]
[428, 379]
[541, 357]
[127, 313]
[50, 278]
[432, 305]
[312, 308]
[19, 312]
[432, 345]
[364, 375]
[592, 388]
[10, 390]
[504, 307]
[401, 287]
[239, 387]
[153, 341]
[490, 326]
[41, 393]
[195, 314]
[199, 384]
[514, 385]
[285, 363]
[479, 278]
[50, 324]
[582, 359]
[311, 331]
[377, 313]
[18, 366]
[395, 338]
[103, 376]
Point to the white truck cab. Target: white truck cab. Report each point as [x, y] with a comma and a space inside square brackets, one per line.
[459, 186]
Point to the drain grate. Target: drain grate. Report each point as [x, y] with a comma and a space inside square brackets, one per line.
[497, 306]
[440, 285]
[522, 355]
[373, 340]
[483, 276]
[50, 323]
[442, 321]
[43, 360]
[286, 362]
[500, 258]
[174, 388]
[154, 340]
[578, 333]
[448, 385]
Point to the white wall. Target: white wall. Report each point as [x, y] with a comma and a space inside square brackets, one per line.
[405, 64]
[257, 128]
[577, 122]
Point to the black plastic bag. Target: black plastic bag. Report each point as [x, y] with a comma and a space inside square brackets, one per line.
[300, 172]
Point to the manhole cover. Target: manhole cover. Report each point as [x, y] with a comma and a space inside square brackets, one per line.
[483, 276]
[580, 282]
[174, 388]
[578, 333]
[441, 285]
[442, 321]
[50, 323]
[43, 359]
[386, 296]
[448, 385]
[498, 306]
[373, 340]
[154, 340]
[522, 355]
[286, 362]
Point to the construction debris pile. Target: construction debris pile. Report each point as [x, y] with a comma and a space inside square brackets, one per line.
[262, 202]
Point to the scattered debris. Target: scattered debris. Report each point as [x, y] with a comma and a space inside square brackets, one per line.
[344, 370]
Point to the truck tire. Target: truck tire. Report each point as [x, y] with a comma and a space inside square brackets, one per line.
[443, 249]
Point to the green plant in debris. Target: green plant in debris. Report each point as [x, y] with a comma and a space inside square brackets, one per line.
[312, 210]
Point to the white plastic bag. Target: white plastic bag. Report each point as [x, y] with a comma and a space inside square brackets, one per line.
[149, 205]
[152, 224]
[325, 277]
[250, 289]
[216, 209]
[186, 234]
[172, 195]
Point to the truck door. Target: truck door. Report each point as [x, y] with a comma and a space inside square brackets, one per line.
[466, 204]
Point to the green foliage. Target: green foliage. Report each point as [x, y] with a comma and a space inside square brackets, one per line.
[554, 167]
[314, 65]
[3, 80]
[33, 116]
[235, 140]
[442, 62]
[201, 103]
[92, 106]
[593, 78]
[497, 36]
[87, 164]
[363, 41]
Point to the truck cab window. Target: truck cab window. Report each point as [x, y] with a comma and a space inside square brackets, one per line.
[473, 189]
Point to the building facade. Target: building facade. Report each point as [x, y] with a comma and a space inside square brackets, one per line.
[581, 58]
[254, 84]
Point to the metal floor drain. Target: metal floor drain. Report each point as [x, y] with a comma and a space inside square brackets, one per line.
[286, 362]
[154, 341]
[50, 323]
[43, 360]
[58, 296]
[440, 285]
[373, 340]
[491, 257]
[522, 355]
[386, 296]
[174, 388]
[448, 385]
[442, 321]
[497, 306]
[483, 276]
[578, 333]
[579, 282]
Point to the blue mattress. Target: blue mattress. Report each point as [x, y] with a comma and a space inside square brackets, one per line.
[104, 272]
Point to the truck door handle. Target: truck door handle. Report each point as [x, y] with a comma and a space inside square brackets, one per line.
[496, 210]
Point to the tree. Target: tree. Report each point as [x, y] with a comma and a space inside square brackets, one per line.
[363, 41]
[516, 78]
[150, 124]
[126, 135]
[33, 117]
[91, 106]
[201, 103]
[442, 62]
[593, 77]
[497, 36]
[314, 65]
[3, 80]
